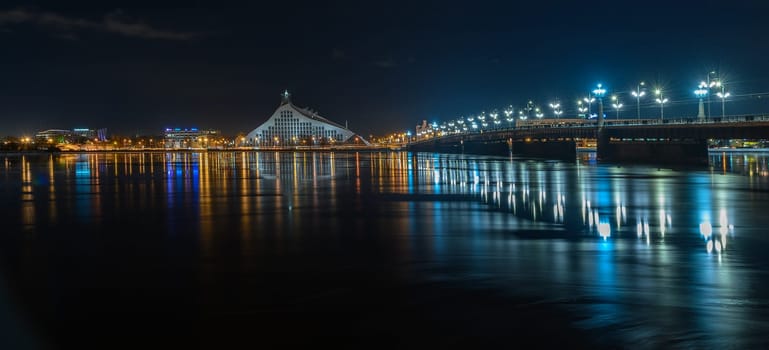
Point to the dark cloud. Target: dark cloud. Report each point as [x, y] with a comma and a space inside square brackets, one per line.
[385, 63]
[66, 36]
[111, 23]
[338, 54]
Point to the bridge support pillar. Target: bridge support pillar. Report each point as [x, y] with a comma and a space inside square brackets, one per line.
[668, 152]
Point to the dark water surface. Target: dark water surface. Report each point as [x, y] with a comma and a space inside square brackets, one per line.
[381, 249]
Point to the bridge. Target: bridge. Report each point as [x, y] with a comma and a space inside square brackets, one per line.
[674, 141]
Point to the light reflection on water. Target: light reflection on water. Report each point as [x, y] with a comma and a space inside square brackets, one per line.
[623, 246]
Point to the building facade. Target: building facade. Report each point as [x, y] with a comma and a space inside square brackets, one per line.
[77, 135]
[290, 125]
[91, 134]
[55, 136]
[181, 138]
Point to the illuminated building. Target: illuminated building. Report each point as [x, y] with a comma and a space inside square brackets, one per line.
[188, 137]
[54, 135]
[91, 134]
[290, 125]
[77, 135]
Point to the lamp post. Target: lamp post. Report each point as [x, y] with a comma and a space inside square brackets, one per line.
[529, 107]
[661, 99]
[589, 100]
[638, 93]
[538, 113]
[508, 116]
[556, 110]
[701, 92]
[617, 104]
[494, 114]
[723, 95]
[581, 109]
[600, 92]
[709, 84]
[461, 124]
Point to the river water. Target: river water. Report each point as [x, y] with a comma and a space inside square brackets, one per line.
[232, 248]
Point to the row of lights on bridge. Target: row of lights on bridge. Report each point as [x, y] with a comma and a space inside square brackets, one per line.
[584, 107]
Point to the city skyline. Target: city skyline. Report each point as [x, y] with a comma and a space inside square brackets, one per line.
[141, 68]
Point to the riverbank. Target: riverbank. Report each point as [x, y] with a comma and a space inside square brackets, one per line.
[197, 150]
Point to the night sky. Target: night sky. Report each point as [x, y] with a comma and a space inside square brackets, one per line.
[138, 67]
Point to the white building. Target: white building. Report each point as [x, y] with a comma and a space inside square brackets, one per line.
[290, 125]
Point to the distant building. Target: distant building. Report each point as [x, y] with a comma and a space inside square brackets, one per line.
[87, 133]
[55, 136]
[91, 134]
[290, 125]
[77, 135]
[188, 137]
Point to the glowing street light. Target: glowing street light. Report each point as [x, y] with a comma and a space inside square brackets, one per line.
[529, 107]
[710, 84]
[509, 115]
[638, 93]
[556, 107]
[582, 109]
[701, 92]
[661, 100]
[589, 100]
[538, 113]
[723, 95]
[494, 114]
[617, 104]
[600, 92]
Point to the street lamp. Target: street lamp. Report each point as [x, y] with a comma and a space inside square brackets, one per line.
[701, 92]
[661, 100]
[617, 104]
[581, 109]
[589, 100]
[538, 113]
[509, 115]
[709, 84]
[494, 114]
[600, 92]
[638, 93]
[461, 124]
[556, 107]
[529, 108]
[723, 95]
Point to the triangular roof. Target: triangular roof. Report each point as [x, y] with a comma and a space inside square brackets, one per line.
[286, 100]
[312, 115]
